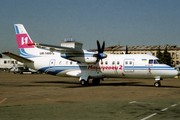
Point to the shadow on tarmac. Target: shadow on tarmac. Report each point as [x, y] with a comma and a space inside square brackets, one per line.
[78, 85]
[104, 84]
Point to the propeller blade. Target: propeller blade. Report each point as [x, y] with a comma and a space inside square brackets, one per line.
[126, 49]
[103, 45]
[98, 46]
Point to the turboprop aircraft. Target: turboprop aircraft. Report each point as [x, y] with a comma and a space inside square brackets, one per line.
[86, 65]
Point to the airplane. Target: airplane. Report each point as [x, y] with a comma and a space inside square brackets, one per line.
[85, 64]
[8, 64]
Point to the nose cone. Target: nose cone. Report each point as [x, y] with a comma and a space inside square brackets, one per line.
[171, 73]
[174, 72]
[177, 73]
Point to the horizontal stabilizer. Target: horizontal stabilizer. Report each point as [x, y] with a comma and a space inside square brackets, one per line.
[17, 57]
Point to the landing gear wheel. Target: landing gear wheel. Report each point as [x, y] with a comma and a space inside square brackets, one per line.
[83, 82]
[96, 81]
[157, 84]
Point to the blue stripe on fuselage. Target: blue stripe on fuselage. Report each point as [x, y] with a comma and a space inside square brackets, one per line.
[57, 69]
[147, 67]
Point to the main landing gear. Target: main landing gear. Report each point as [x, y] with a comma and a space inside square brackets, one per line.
[84, 82]
[95, 81]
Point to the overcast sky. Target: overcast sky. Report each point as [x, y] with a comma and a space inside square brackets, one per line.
[124, 22]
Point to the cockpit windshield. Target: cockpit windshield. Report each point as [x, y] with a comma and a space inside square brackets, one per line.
[155, 61]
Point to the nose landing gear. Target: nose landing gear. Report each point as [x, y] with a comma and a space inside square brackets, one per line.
[157, 84]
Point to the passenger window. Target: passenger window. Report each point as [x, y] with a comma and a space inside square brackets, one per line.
[130, 62]
[59, 62]
[118, 62]
[126, 62]
[101, 62]
[106, 62]
[5, 62]
[113, 62]
[71, 63]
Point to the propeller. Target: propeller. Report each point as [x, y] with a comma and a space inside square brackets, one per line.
[100, 55]
[126, 49]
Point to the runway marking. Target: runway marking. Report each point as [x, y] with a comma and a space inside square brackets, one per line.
[132, 102]
[3, 100]
[173, 105]
[149, 116]
[156, 113]
[164, 109]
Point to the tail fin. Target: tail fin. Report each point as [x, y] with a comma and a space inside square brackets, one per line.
[22, 36]
[23, 39]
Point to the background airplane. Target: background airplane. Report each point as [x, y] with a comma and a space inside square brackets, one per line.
[86, 65]
[9, 64]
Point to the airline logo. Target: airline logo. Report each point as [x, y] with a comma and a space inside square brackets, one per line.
[105, 67]
[23, 39]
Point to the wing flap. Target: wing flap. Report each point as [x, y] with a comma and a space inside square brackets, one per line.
[17, 57]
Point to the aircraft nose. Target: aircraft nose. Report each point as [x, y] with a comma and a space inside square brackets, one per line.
[175, 72]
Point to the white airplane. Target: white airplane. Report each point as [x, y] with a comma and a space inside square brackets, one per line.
[14, 66]
[86, 65]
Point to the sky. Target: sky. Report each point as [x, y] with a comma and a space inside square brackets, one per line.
[124, 22]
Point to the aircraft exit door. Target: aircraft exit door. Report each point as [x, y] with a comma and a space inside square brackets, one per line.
[52, 63]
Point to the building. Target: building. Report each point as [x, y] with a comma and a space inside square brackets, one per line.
[71, 43]
[174, 50]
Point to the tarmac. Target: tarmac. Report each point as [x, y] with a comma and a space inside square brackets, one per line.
[41, 96]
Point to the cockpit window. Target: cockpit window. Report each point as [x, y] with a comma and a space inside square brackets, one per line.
[150, 61]
[155, 61]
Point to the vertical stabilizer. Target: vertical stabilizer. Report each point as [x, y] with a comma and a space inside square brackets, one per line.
[22, 36]
[23, 39]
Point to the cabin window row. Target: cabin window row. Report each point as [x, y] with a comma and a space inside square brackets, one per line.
[113, 62]
[10, 62]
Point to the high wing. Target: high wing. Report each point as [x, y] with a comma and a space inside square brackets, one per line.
[79, 55]
[17, 57]
[58, 48]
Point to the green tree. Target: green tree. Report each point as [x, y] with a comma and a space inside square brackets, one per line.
[166, 57]
[159, 53]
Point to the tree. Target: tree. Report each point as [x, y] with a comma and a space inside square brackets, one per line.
[159, 53]
[166, 57]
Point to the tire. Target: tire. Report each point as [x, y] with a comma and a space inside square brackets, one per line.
[83, 82]
[96, 81]
[157, 84]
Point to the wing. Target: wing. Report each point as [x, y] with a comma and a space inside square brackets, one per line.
[17, 57]
[58, 48]
[73, 54]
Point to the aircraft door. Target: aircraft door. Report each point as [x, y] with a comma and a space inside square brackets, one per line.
[128, 65]
[52, 64]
